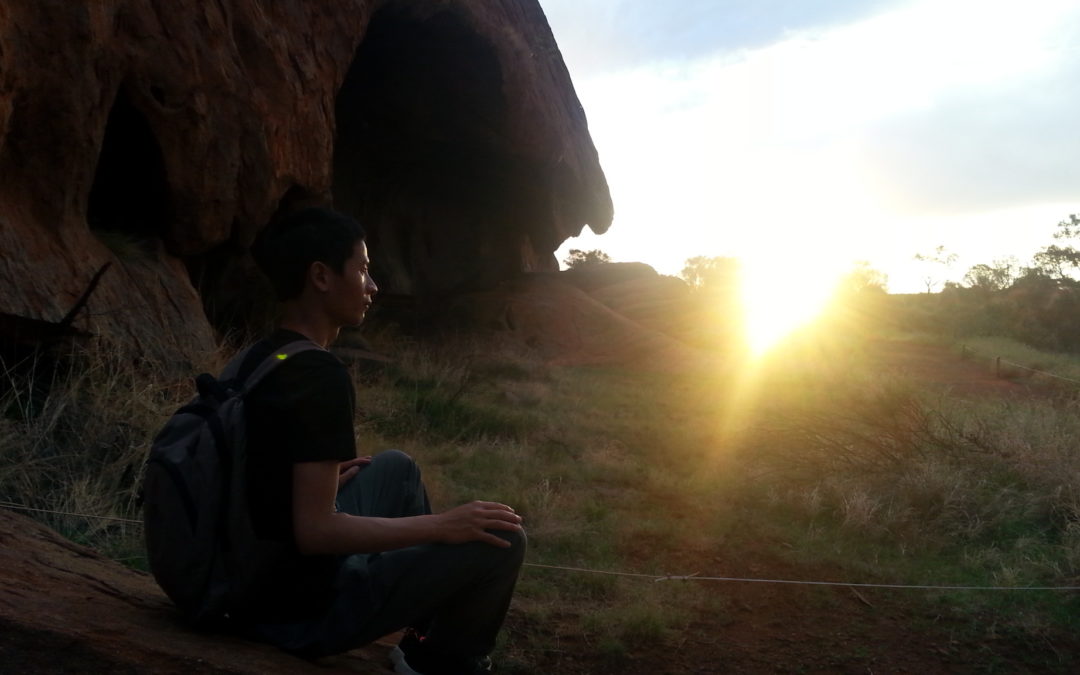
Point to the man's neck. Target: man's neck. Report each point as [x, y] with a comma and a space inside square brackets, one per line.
[313, 326]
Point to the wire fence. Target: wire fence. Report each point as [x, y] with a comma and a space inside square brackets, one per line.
[999, 361]
[966, 352]
[654, 577]
[21, 507]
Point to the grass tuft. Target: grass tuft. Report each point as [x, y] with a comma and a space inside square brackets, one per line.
[81, 449]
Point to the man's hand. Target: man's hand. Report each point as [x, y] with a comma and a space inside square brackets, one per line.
[319, 529]
[346, 470]
[470, 522]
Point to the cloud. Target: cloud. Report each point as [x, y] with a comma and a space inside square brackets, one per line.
[869, 132]
[599, 36]
[979, 115]
[983, 149]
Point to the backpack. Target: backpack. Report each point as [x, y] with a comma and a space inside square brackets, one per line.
[200, 541]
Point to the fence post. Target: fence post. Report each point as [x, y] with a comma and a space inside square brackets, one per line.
[997, 368]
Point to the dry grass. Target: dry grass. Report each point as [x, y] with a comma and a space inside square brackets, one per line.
[632, 471]
[79, 446]
[988, 349]
[990, 485]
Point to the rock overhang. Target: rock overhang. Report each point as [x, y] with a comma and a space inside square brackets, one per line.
[161, 136]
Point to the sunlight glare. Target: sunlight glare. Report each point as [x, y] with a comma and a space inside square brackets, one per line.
[775, 303]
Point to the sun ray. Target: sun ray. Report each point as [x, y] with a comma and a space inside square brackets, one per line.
[776, 303]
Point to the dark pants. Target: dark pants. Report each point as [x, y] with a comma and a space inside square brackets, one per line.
[455, 595]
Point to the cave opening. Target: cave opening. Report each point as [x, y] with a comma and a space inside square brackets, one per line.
[129, 204]
[419, 153]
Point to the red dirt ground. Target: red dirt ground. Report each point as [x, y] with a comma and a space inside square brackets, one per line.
[772, 628]
[98, 617]
[939, 366]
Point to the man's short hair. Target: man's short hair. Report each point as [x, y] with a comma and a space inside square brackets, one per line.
[287, 247]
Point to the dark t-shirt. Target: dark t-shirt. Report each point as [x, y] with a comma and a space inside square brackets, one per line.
[301, 412]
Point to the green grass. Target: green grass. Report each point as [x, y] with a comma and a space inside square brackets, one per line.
[815, 459]
[988, 349]
[897, 484]
[845, 466]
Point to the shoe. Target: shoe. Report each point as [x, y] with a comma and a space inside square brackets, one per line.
[410, 645]
[401, 666]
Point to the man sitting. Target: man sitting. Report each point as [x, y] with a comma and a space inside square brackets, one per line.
[365, 555]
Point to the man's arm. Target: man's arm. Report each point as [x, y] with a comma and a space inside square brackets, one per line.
[318, 529]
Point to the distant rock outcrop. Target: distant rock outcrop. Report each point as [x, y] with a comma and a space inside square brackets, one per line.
[161, 135]
[615, 313]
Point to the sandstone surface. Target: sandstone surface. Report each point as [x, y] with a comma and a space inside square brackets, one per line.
[161, 135]
[66, 608]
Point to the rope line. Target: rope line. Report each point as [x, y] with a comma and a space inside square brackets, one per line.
[799, 582]
[964, 349]
[21, 507]
[663, 577]
[1041, 372]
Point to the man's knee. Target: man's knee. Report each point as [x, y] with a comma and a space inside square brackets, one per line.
[394, 458]
[514, 555]
[396, 463]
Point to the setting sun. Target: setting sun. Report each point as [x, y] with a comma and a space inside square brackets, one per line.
[775, 304]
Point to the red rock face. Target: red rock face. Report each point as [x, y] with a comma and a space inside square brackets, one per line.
[161, 135]
[88, 614]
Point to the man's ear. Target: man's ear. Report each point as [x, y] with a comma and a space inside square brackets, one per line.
[319, 276]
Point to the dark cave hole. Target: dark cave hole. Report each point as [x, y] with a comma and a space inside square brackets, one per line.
[420, 120]
[129, 203]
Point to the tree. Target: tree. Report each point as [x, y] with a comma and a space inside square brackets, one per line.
[996, 276]
[1068, 228]
[579, 258]
[719, 274]
[1054, 260]
[863, 279]
[939, 256]
[716, 286]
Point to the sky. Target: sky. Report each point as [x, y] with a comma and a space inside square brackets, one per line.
[803, 135]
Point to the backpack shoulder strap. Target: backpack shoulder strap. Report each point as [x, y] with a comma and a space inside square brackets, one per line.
[275, 359]
[232, 368]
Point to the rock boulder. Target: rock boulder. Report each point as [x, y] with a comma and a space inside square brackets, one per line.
[161, 135]
[65, 608]
[567, 325]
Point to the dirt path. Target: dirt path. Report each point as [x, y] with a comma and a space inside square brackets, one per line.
[778, 628]
[767, 628]
[942, 367]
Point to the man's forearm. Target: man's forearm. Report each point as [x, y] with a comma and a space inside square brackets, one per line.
[319, 529]
[341, 533]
